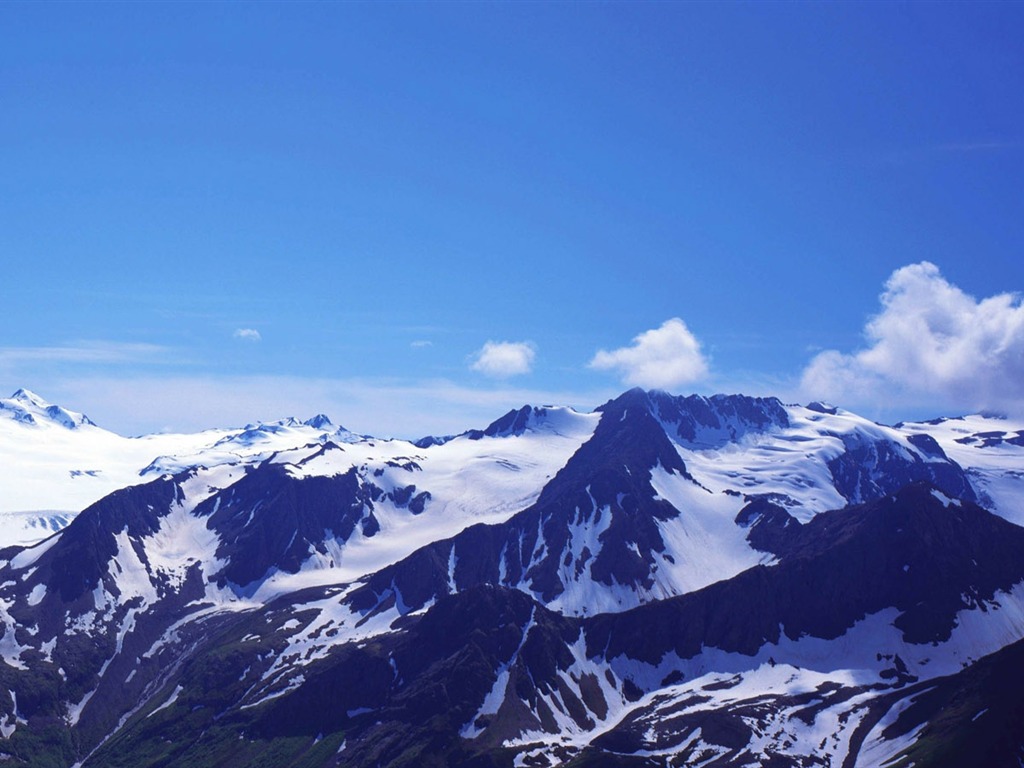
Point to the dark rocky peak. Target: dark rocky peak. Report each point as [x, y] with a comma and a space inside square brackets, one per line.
[605, 485]
[515, 422]
[431, 440]
[825, 408]
[722, 418]
[631, 398]
[927, 445]
[705, 421]
[320, 421]
[920, 550]
[617, 460]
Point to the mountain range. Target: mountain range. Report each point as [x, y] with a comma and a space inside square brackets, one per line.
[665, 581]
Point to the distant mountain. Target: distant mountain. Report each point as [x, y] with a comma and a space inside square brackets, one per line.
[668, 580]
[55, 462]
[28, 408]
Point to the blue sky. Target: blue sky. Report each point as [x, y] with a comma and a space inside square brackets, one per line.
[212, 213]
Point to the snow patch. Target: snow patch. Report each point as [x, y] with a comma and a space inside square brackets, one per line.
[37, 594]
[170, 700]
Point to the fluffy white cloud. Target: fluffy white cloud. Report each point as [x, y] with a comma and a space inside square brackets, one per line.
[501, 359]
[248, 334]
[930, 342]
[662, 358]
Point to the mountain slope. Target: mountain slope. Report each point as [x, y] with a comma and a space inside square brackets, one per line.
[721, 580]
[488, 676]
[55, 462]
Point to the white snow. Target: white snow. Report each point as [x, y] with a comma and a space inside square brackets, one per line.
[704, 540]
[946, 500]
[877, 752]
[37, 594]
[10, 648]
[46, 466]
[170, 700]
[469, 482]
[498, 691]
[28, 557]
[75, 710]
[997, 470]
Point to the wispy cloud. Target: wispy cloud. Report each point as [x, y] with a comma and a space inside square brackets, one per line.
[930, 153]
[930, 343]
[979, 146]
[664, 357]
[421, 344]
[82, 352]
[247, 334]
[504, 359]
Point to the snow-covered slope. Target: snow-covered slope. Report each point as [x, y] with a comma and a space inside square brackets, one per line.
[52, 459]
[720, 580]
[54, 463]
[991, 450]
[734, 450]
[817, 458]
[330, 513]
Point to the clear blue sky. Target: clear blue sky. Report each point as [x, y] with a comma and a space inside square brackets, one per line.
[377, 190]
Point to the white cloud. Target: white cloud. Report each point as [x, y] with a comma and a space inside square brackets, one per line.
[248, 334]
[931, 342]
[502, 359]
[661, 358]
[421, 344]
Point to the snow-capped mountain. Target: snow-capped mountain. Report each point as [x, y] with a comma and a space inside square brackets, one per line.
[55, 462]
[28, 408]
[719, 580]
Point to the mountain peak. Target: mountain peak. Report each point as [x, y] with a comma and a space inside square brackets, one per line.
[29, 398]
[29, 408]
[320, 421]
[701, 420]
[819, 407]
[559, 419]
